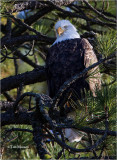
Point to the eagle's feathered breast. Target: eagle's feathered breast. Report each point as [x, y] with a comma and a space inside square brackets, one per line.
[65, 59]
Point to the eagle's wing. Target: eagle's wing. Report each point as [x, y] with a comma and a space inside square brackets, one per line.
[90, 58]
[94, 79]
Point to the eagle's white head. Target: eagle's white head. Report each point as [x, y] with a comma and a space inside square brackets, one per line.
[65, 30]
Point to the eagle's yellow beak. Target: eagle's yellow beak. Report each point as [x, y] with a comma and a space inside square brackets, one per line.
[60, 31]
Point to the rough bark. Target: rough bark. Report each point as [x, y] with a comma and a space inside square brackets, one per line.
[37, 75]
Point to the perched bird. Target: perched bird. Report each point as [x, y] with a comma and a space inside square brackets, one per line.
[68, 56]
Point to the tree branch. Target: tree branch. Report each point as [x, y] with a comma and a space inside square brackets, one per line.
[6, 105]
[37, 75]
[28, 5]
[38, 139]
[87, 129]
[25, 38]
[18, 129]
[32, 19]
[25, 25]
[19, 118]
[8, 97]
[99, 13]
[38, 5]
[26, 59]
[93, 21]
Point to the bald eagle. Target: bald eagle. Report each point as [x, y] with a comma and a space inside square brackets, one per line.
[68, 56]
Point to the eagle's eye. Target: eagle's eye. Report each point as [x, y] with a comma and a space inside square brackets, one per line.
[65, 27]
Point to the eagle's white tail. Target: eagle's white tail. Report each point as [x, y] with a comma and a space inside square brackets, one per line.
[73, 135]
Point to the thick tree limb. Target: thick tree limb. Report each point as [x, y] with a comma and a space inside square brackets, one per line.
[8, 118]
[61, 2]
[25, 38]
[37, 75]
[28, 5]
[6, 105]
[38, 5]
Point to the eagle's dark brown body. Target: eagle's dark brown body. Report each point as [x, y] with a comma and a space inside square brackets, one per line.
[64, 60]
